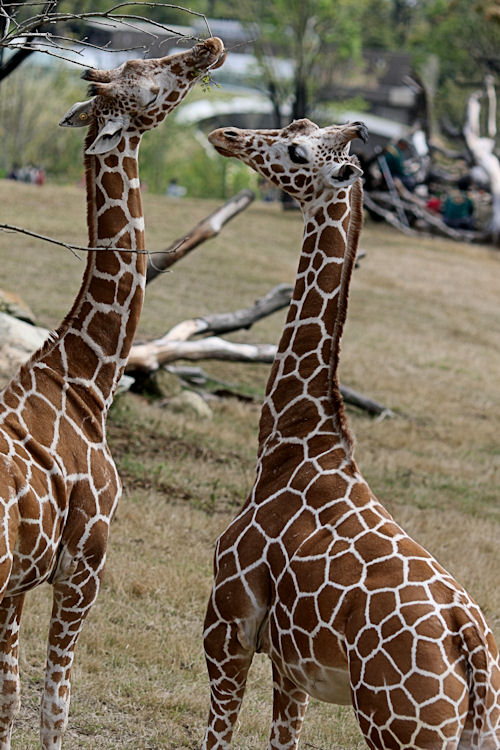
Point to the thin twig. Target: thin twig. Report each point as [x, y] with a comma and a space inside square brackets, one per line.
[29, 28]
[74, 248]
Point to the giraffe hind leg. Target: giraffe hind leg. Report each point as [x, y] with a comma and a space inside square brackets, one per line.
[289, 708]
[228, 661]
[10, 617]
[75, 590]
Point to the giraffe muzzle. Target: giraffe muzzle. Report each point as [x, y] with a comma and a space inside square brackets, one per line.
[225, 140]
[209, 54]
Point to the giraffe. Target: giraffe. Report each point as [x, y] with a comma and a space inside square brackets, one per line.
[59, 484]
[313, 571]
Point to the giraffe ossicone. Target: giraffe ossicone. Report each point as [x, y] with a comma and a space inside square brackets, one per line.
[59, 486]
[313, 570]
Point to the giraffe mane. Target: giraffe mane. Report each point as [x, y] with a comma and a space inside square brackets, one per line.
[353, 233]
[99, 89]
[54, 336]
[98, 76]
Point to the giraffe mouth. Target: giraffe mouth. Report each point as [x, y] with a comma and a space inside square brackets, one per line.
[225, 141]
[220, 61]
[210, 53]
[221, 150]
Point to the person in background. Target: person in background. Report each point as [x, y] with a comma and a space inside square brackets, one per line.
[458, 207]
[395, 155]
[174, 190]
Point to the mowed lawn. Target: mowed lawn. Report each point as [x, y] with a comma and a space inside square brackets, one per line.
[423, 337]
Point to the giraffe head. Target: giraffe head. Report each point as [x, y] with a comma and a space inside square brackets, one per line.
[302, 159]
[138, 95]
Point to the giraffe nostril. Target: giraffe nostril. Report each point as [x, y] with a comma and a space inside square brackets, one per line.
[344, 172]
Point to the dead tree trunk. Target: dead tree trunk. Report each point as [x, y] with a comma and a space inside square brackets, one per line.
[483, 148]
[207, 228]
[218, 323]
[174, 345]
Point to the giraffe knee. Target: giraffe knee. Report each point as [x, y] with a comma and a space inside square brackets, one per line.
[10, 701]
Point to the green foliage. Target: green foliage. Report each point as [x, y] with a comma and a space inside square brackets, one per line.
[31, 104]
[182, 152]
[377, 25]
[30, 135]
[466, 39]
[322, 39]
[462, 35]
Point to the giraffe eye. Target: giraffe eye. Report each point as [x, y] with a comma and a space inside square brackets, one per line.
[153, 95]
[297, 154]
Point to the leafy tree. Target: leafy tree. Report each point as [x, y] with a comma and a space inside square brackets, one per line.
[465, 37]
[321, 39]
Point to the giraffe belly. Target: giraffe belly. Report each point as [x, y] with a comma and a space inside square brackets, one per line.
[300, 656]
[328, 684]
[37, 543]
[325, 683]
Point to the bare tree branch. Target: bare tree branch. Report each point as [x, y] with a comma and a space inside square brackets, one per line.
[208, 227]
[149, 357]
[33, 34]
[390, 217]
[277, 298]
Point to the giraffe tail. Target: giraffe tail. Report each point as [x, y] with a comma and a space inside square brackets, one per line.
[482, 726]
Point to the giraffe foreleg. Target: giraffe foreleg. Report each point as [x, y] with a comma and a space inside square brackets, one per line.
[76, 586]
[228, 658]
[289, 708]
[10, 616]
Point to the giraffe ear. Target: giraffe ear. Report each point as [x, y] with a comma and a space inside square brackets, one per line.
[343, 175]
[109, 136]
[78, 116]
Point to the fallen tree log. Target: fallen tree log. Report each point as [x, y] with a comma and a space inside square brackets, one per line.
[413, 206]
[208, 227]
[197, 378]
[277, 298]
[147, 358]
[382, 202]
[355, 398]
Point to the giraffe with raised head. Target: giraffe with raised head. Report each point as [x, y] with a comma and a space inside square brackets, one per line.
[59, 486]
[313, 570]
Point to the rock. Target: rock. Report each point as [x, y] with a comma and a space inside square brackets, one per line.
[190, 401]
[12, 304]
[124, 384]
[18, 341]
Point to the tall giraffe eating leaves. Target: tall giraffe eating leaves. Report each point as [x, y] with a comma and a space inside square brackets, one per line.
[58, 485]
[313, 571]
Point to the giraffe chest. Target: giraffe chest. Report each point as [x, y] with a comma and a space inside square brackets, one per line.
[33, 508]
[43, 507]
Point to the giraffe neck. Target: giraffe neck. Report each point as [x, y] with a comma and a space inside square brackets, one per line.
[303, 398]
[91, 346]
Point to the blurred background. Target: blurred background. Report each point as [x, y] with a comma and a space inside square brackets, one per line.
[405, 67]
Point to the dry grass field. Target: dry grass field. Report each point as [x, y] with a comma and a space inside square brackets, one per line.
[423, 336]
